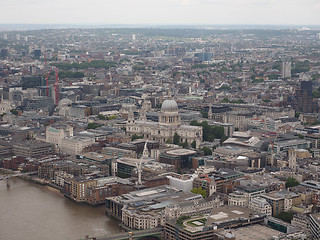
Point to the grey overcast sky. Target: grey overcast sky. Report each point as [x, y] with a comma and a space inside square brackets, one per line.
[185, 12]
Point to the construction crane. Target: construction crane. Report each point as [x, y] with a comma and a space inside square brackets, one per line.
[56, 88]
[56, 85]
[145, 155]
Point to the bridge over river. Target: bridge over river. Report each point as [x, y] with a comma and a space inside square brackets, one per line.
[16, 174]
[150, 234]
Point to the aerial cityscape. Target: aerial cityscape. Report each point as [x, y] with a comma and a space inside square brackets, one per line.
[188, 128]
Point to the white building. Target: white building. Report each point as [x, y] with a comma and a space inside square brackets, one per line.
[181, 182]
[237, 199]
[60, 177]
[155, 217]
[56, 134]
[286, 70]
[6, 106]
[260, 205]
[74, 145]
[62, 137]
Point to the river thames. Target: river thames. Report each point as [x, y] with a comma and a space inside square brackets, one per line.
[29, 211]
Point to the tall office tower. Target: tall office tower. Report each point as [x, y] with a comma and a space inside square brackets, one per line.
[4, 53]
[37, 53]
[286, 70]
[303, 100]
[292, 159]
[18, 37]
[5, 36]
[306, 86]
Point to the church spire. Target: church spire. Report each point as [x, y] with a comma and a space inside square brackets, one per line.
[169, 92]
[130, 116]
[143, 116]
[145, 153]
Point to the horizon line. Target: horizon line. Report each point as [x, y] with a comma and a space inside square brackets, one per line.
[42, 26]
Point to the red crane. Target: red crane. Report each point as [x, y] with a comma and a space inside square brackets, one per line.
[56, 85]
[56, 88]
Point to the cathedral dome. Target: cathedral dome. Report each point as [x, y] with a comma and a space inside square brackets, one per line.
[169, 105]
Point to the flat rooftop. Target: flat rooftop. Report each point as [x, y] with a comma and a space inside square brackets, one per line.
[156, 195]
[227, 213]
[132, 161]
[99, 157]
[181, 152]
[256, 232]
[277, 195]
[290, 142]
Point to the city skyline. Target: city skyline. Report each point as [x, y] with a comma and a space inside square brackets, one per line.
[173, 12]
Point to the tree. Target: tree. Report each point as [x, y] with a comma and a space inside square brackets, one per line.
[291, 182]
[194, 144]
[176, 139]
[184, 144]
[14, 111]
[101, 117]
[259, 80]
[86, 65]
[225, 88]
[93, 125]
[181, 219]
[200, 191]
[285, 216]
[207, 151]
[138, 68]
[70, 74]
[112, 117]
[135, 136]
[239, 101]
[169, 141]
[194, 123]
[204, 114]
[209, 132]
[276, 66]
[225, 100]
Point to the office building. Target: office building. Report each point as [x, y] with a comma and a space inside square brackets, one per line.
[285, 70]
[303, 99]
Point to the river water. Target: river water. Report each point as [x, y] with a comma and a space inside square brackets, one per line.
[29, 211]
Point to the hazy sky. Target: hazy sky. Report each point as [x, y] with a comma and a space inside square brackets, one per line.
[213, 12]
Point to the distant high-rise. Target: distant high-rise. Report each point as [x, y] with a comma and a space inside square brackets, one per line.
[4, 53]
[303, 100]
[306, 86]
[5, 36]
[37, 53]
[203, 56]
[286, 70]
